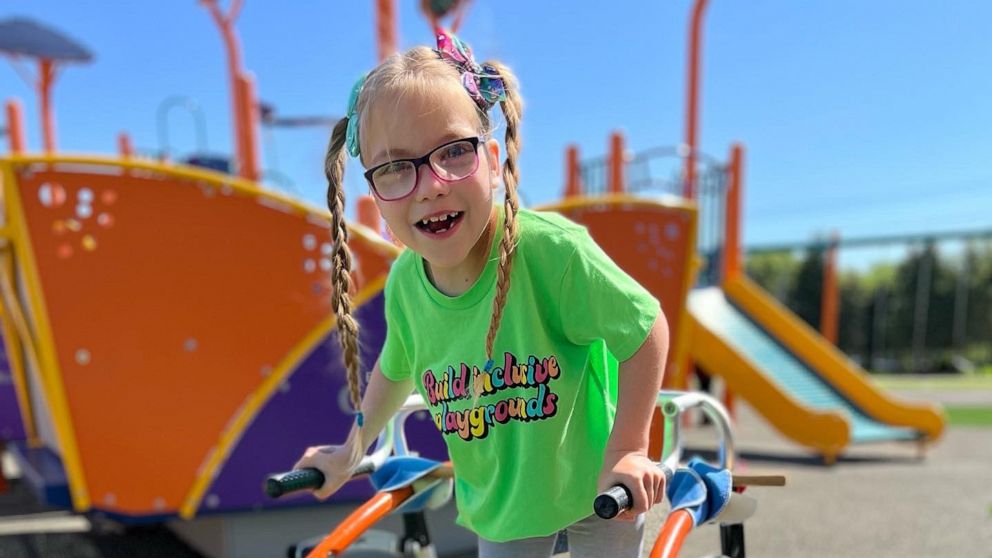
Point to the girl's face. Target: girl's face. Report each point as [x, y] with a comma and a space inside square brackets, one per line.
[442, 220]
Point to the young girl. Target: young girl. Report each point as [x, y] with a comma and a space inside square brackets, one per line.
[539, 359]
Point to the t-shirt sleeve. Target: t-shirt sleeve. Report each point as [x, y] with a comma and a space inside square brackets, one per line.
[600, 301]
[394, 360]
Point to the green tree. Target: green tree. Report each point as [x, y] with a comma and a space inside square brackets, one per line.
[804, 297]
[775, 272]
[854, 321]
[978, 267]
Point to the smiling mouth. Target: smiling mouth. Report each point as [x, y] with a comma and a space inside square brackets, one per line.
[439, 223]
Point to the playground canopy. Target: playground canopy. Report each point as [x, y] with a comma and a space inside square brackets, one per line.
[19, 36]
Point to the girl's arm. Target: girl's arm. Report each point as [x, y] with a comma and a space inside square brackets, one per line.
[383, 397]
[626, 460]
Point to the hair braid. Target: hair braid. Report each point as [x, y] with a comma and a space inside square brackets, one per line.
[334, 163]
[512, 109]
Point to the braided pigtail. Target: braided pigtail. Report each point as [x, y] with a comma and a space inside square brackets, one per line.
[512, 107]
[334, 163]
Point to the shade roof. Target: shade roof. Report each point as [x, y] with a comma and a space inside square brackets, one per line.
[28, 38]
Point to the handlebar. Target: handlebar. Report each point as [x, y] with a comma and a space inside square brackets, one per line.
[309, 478]
[609, 503]
[392, 441]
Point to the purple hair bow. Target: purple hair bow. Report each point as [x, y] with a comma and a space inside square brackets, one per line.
[483, 83]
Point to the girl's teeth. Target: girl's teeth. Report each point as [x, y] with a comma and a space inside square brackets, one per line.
[437, 218]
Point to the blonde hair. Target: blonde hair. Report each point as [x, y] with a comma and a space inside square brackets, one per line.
[417, 70]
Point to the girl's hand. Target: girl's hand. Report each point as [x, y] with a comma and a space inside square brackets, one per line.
[336, 462]
[636, 471]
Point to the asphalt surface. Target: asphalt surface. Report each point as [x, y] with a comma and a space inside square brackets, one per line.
[879, 500]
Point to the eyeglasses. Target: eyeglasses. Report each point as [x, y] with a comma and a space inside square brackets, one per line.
[449, 162]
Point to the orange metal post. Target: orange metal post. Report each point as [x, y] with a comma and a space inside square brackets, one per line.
[830, 297]
[573, 184]
[368, 214]
[15, 126]
[729, 402]
[692, 102]
[226, 25]
[386, 28]
[732, 264]
[124, 145]
[249, 128]
[615, 182]
[732, 241]
[46, 79]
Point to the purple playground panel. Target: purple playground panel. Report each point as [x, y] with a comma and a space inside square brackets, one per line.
[11, 425]
[308, 411]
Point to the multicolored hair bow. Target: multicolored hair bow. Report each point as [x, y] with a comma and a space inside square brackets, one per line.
[483, 83]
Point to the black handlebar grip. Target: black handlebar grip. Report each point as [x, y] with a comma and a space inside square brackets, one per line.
[301, 479]
[612, 501]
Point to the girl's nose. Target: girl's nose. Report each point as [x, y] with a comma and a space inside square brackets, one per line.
[429, 186]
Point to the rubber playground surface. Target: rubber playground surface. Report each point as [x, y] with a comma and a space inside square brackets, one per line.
[879, 500]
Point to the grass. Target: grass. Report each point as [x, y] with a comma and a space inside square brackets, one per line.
[934, 381]
[969, 415]
[957, 415]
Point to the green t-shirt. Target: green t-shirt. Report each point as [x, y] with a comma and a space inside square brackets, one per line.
[528, 453]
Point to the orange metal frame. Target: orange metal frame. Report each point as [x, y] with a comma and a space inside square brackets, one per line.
[386, 28]
[735, 193]
[360, 521]
[573, 180]
[615, 184]
[692, 97]
[242, 92]
[732, 253]
[15, 126]
[673, 533]
[45, 82]
[829, 298]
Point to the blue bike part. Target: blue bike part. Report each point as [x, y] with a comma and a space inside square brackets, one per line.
[701, 489]
[398, 472]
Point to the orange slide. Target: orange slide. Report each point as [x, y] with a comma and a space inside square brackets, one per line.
[799, 382]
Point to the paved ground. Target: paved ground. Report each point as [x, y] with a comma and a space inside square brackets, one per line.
[878, 501]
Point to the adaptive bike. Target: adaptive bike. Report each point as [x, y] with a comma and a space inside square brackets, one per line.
[699, 492]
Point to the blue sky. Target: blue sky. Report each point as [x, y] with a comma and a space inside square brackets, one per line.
[864, 117]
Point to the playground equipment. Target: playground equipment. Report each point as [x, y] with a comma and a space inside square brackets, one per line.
[798, 381]
[21, 37]
[162, 323]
